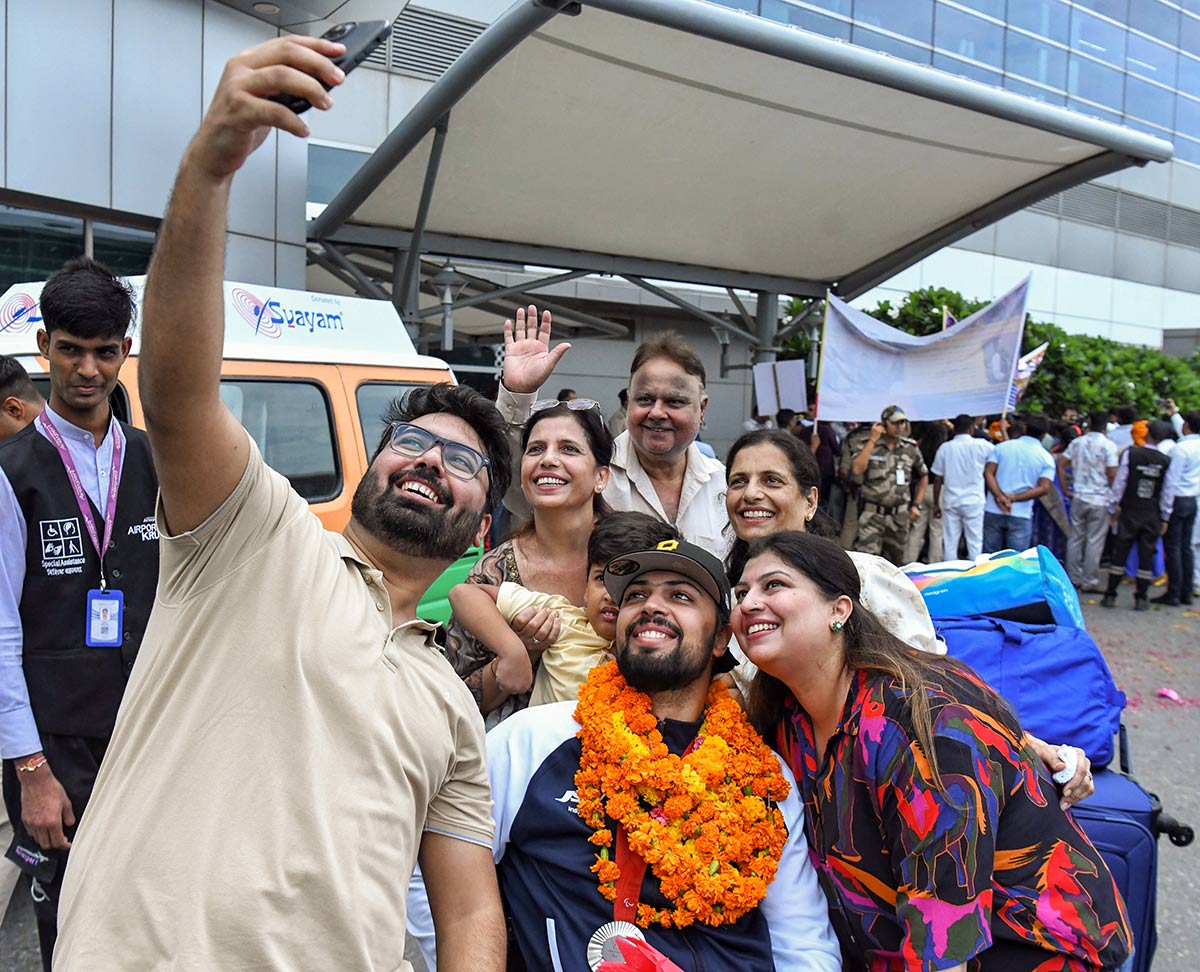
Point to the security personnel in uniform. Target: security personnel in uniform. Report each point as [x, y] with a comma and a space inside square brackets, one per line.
[889, 465]
[1139, 483]
[73, 482]
[851, 446]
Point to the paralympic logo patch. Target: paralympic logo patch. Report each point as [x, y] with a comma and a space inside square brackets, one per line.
[270, 318]
[19, 314]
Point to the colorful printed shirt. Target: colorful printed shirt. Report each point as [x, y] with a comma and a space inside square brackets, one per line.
[991, 872]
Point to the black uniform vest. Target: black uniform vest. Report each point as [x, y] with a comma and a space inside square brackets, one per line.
[1147, 470]
[75, 690]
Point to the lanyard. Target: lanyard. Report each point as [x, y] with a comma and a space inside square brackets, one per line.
[85, 507]
[632, 868]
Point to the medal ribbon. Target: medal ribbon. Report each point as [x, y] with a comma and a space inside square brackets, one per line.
[629, 882]
[85, 507]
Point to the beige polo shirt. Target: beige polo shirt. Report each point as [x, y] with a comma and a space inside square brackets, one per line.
[278, 754]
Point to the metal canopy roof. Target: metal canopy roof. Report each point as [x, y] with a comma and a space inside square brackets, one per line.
[684, 141]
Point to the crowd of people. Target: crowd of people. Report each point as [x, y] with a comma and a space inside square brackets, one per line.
[1090, 489]
[712, 734]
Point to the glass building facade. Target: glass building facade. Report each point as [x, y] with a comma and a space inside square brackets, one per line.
[1134, 62]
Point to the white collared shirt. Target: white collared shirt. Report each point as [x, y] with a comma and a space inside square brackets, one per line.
[18, 730]
[701, 518]
[1183, 475]
[960, 463]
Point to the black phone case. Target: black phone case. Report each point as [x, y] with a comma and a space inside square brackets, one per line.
[358, 49]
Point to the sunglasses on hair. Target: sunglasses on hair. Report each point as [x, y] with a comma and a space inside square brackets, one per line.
[460, 460]
[575, 404]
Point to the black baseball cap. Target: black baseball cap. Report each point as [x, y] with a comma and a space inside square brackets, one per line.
[678, 557]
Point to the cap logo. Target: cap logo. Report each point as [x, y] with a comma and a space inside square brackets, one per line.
[668, 545]
[620, 568]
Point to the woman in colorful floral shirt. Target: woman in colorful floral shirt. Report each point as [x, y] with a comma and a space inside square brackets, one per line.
[936, 833]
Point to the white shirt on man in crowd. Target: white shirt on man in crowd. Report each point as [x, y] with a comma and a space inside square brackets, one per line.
[960, 463]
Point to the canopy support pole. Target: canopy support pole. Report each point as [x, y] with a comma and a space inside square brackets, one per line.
[412, 265]
[490, 295]
[691, 308]
[766, 319]
[362, 283]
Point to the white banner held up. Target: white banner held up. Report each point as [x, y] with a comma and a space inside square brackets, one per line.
[867, 365]
[780, 384]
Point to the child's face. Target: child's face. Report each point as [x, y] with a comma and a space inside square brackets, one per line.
[601, 611]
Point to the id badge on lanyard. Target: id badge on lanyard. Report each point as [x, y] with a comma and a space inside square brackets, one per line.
[105, 609]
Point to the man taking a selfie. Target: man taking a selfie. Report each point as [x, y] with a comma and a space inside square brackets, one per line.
[293, 739]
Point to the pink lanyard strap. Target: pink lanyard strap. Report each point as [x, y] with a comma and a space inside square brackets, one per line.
[85, 508]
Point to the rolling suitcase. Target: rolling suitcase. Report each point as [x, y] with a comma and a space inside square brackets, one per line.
[1124, 821]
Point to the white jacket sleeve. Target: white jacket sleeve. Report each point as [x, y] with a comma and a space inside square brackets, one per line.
[802, 939]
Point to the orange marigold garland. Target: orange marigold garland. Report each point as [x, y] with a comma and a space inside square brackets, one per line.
[705, 822]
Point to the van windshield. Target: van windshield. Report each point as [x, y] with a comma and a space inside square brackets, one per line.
[373, 398]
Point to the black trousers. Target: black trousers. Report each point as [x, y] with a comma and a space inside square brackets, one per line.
[75, 761]
[1144, 531]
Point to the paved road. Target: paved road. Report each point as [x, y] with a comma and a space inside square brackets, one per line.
[1147, 652]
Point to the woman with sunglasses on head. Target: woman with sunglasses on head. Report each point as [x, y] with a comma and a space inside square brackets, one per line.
[935, 830]
[772, 486]
[566, 449]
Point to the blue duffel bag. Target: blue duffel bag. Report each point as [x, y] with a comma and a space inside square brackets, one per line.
[1054, 677]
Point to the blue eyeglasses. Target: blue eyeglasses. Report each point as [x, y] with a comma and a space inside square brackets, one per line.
[459, 460]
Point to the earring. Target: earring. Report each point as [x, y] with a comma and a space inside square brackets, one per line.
[836, 626]
[808, 518]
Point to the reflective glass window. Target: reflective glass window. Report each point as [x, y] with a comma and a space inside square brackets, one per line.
[954, 65]
[1155, 18]
[1140, 126]
[1017, 86]
[1035, 59]
[1189, 34]
[1049, 18]
[1151, 60]
[968, 36]
[123, 249]
[1187, 151]
[1095, 111]
[1095, 82]
[836, 6]
[373, 399]
[1189, 74]
[912, 18]
[1149, 102]
[889, 45]
[749, 6]
[1117, 9]
[33, 245]
[993, 8]
[1187, 116]
[787, 13]
[330, 168]
[1192, 5]
[292, 426]
[1097, 38]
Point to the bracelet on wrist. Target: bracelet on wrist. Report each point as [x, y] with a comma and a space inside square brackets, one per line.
[32, 764]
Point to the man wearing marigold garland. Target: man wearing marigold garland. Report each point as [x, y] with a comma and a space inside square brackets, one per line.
[652, 809]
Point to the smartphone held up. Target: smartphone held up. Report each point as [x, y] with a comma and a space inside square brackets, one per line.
[360, 37]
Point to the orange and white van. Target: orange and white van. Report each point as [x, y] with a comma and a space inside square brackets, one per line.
[307, 374]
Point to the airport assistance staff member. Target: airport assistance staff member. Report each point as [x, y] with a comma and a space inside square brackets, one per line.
[889, 465]
[72, 482]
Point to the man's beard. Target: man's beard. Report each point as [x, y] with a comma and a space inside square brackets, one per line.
[663, 671]
[411, 526]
